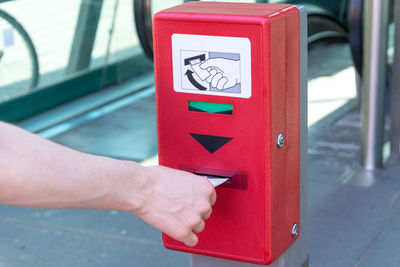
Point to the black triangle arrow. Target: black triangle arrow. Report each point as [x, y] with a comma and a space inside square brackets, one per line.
[210, 142]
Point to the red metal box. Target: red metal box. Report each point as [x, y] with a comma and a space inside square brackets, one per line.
[227, 85]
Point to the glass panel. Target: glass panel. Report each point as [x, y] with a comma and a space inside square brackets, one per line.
[116, 34]
[46, 42]
[43, 36]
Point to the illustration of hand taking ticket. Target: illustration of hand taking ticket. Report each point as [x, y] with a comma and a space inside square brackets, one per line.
[211, 65]
[213, 71]
[221, 73]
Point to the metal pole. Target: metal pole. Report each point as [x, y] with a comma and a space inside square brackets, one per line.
[395, 98]
[374, 82]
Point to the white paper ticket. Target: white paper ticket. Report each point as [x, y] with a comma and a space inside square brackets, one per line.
[217, 181]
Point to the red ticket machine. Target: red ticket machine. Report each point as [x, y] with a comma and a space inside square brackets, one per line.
[227, 90]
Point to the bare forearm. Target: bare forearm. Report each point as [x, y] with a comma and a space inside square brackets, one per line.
[38, 173]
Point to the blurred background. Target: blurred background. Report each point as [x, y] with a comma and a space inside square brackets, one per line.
[80, 73]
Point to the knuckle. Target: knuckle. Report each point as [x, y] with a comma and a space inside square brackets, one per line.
[207, 215]
[202, 204]
[182, 233]
[192, 240]
[209, 190]
[206, 187]
[204, 207]
[195, 220]
[199, 228]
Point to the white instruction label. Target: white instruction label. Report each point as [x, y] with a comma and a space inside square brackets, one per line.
[212, 65]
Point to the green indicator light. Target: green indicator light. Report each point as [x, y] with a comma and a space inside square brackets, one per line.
[208, 107]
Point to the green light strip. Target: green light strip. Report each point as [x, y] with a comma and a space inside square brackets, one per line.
[209, 107]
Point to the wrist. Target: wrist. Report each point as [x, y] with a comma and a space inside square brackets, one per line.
[132, 187]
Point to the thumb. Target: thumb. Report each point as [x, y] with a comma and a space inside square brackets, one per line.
[211, 62]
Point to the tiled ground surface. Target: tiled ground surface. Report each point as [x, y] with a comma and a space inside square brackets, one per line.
[349, 225]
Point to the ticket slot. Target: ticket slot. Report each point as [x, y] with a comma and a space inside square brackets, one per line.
[237, 180]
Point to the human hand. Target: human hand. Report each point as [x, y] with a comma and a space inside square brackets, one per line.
[224, 73]
[177, 203]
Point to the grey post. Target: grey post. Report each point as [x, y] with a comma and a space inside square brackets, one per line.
[374, 82]
[297, 253]
[395, 98]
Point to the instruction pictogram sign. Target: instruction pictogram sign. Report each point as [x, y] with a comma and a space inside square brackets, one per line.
[212, 65]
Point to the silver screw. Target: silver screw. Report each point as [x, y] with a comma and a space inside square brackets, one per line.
[280, 140]
[295, 230]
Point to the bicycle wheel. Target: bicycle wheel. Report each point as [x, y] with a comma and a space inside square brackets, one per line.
[19, 66]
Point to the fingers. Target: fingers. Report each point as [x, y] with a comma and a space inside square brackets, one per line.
[191, 240]
[212, 74]
[221, 83]
[213, 198]
[200, 227]
[210, 191]
[183, 217]
[207, 214]
[215, 79]
[221, 75]
[211, 62]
